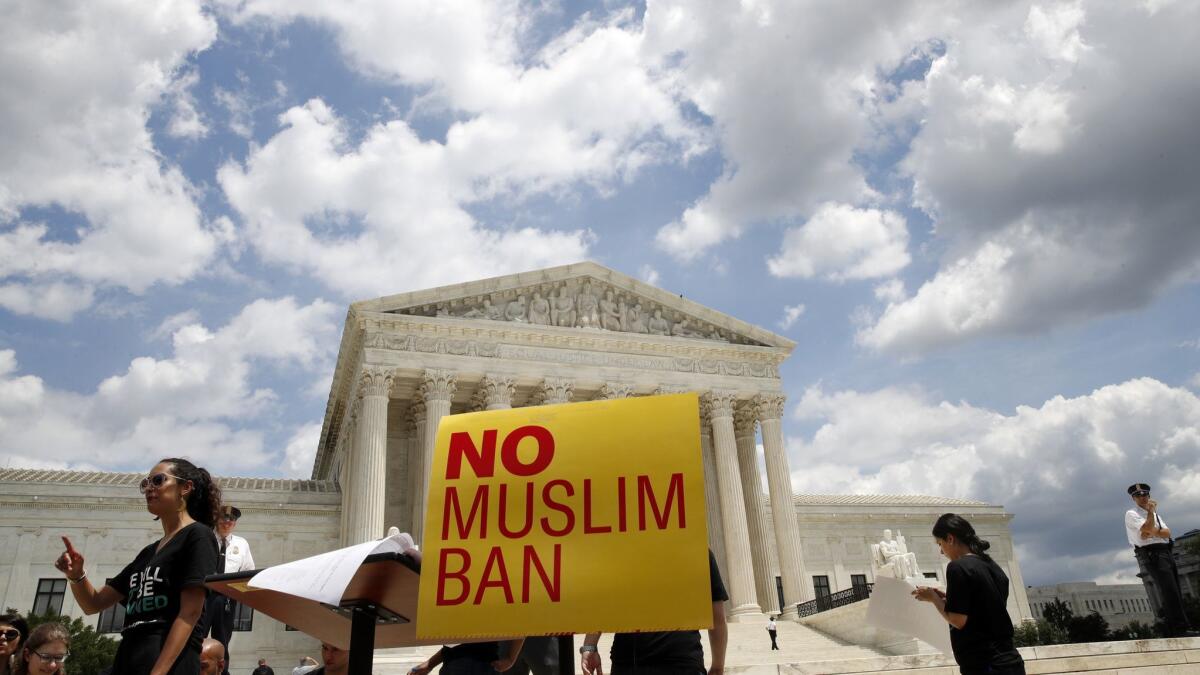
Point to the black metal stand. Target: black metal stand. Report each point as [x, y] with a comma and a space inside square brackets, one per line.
[566, 655]
[362, 640]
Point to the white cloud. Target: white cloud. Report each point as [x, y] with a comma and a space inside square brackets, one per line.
[891, 290]
[1052, 195]
[1061, 468]
[791, 313]
[649, 275]
[301, 450]
[841, 242]
[76, 138]
[186, 121]
[54, 300]
[200, 402]
[588, 108]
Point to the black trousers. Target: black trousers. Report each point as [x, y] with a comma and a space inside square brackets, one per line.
[772, 634]
[1156, 561]
[219, 612]
[139, 650]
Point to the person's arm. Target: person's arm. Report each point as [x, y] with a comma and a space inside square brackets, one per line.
[938, 599]
[429, 664]
[248, 559]
[90, 600]
[191, 606]
[514, 650]
[1150, 527]
[718, 639]
[589, 661]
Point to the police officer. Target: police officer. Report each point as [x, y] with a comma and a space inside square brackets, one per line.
[1151, 540]
[235, 557]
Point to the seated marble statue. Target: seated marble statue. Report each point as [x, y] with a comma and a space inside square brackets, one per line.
[890, 558]
[515, 311]
[562, 309]
[683, 329]
[610, 316]
[637, 319]
[658, 325]
[539, 310]
[587, 313]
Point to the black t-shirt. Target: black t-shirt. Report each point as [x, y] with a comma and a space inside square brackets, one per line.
[263, 670]
[484, 652]
[672, 649]
[153, 583]
[978, 588]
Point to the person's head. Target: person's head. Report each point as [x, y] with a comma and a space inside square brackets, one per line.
[262, 662]
[887, 535]
[13, 631]
[956, 537]
[1140, 494]
[45, 651]
[228, 520]
[212, 657]
[176, 484]
[336, 659]
[309, 661]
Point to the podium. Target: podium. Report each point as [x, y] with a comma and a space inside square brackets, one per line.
[378, 609]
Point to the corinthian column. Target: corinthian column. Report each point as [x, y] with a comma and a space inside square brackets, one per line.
[756, 518]
[416, 469]
[740, 571]
[712, 496]
[613, 390]
[783, 510]
[369, 468]
[497, 392]
[437, 387]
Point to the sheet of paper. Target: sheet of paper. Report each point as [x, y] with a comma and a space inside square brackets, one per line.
[324, 577]
[892, 607]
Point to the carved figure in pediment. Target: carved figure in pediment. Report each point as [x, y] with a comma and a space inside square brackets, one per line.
[658, 325]
[623, 313]
[716, 335]
[683, 329]
[609, 313]
[492, 311]
[479, 311]
[562, 309]
[539, 310]
[637, 319]
[587, 307]
[515, 311]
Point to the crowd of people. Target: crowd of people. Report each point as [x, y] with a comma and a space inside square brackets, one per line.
[169, 613]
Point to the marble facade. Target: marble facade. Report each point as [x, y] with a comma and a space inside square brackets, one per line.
[573, 333]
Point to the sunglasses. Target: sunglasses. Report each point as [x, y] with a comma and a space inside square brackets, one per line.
[10, 634]
[53, 658]
[156, 481]
[1141, 493]
[229, 519]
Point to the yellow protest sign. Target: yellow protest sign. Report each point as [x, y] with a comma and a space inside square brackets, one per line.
[567, 518]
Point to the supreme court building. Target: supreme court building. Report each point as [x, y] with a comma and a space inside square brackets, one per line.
[572, 333]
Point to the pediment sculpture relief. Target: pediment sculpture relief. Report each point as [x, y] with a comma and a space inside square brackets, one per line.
[579, 303]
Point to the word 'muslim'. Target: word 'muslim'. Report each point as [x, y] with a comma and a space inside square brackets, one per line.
[508, 509]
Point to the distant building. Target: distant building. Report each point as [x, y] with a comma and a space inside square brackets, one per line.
[1119, 604]
[1188, 562]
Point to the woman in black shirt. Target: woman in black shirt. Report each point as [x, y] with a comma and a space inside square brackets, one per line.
[975, 602]
[163, 588]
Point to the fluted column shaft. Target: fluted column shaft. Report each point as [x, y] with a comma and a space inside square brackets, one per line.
[712, 496]
[416, 470]
[740, 571]
[783, 510]
[437, 388]
[369, 468]
[756, 517]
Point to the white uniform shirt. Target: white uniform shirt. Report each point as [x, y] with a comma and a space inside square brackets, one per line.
[1133, 525]
[237, 554]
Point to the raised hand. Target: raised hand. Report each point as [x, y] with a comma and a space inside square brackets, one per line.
[70, 563]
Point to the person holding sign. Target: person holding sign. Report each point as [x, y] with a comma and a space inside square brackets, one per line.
[659, 653]
[974, 602]
[163, 588]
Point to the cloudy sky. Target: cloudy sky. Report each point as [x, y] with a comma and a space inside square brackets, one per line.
[978, 220]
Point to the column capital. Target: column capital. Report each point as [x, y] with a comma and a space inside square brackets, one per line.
[375, 381]
[705, 415]
[497, 391]
[744, 418]
[438, 385]
[614, 390]
[769, 406]
[554, 390]
[721, 402]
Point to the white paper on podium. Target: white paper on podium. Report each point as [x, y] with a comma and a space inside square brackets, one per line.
[892, 607]
[324, 577]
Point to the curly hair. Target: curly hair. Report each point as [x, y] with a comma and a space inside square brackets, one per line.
[204, 501]
[950, 523]
[42, 635]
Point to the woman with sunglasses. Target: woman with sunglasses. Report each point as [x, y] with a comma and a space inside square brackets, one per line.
[975, 602]
[13, 631]
[163, 588]
[45, 651]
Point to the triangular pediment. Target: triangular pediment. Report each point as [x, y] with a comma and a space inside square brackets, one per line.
[584, 296]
